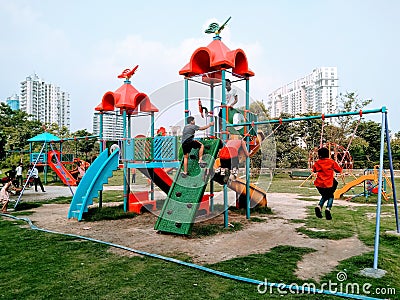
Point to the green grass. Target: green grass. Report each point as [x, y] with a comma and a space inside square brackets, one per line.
[38, 265]
[48, 266]
[107, 213]
[282, 183]
[200, 230]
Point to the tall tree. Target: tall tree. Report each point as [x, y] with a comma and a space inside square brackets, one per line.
[16, 128]
[349, 102]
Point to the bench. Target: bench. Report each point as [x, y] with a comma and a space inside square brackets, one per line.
[299, 174]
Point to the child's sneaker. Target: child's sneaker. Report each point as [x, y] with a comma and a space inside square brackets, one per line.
[184, 175]
[328, 214]
[318, 212]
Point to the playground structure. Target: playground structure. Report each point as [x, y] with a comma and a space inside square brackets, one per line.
[337, 152]
[51, 158]
[384, 136]
[152, 155]
[56, 160]
[146, 149]
[211, 64]
[370, 180]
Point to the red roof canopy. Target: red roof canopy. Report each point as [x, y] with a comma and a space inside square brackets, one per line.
[217, 56]
[126, 98]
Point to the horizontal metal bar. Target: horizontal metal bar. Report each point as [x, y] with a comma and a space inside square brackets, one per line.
[350, 113]
[151, 165]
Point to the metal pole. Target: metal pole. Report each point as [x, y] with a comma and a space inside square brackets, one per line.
[124, 160]
[186, 100]
[391, 172]
[101, 150]
[224, 137]
[152, 141]
[248, 148]
[378, 208]
[351, 113]
[29, 176]
[45, 164]
[128, 169]
[212, 131]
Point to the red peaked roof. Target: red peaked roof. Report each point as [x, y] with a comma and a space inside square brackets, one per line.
[126, 98]
[216, 56]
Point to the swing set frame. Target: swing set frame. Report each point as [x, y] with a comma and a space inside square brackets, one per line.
[384, 133]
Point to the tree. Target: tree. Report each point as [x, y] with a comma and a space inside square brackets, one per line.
[84, 145]
[310, 131]
[287, 138]
[15, 129]
[349, 102]
[370, 132]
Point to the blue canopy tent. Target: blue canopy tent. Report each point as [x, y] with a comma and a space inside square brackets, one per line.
[41, 157]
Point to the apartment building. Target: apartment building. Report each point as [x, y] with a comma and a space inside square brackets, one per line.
[314, 93]
[46, 102]
[13, 102]
[113, 128]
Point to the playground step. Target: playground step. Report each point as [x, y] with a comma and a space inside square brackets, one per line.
[75, 214]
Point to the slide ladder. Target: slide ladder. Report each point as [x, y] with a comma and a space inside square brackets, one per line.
[92, 182]
[185, 194]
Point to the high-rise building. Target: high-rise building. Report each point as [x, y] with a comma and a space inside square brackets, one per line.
[314, 93]
[113, 127]
[13, 102]
[46, 102]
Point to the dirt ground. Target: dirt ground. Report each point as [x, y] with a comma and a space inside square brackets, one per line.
[255, 237]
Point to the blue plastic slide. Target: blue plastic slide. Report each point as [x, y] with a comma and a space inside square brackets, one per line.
[92, 182]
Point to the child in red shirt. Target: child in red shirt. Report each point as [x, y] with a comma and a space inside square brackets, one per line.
[325, 181]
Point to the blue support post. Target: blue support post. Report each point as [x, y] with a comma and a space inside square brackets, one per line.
[101, 150]
[224, 137]
[391, 172]
[186, 100]
[124, 160]
[101, 132]
[379, 204]
[152, 140]
[248, 148]
[212, 132]
[128, 179]
[45, 163]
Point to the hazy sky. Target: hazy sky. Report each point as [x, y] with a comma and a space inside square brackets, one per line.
[82, 46]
